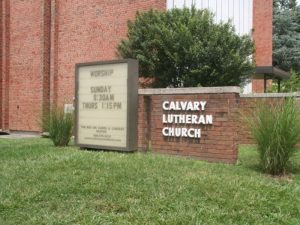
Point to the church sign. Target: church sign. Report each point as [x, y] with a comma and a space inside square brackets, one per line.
[180, 114]
[106, 105]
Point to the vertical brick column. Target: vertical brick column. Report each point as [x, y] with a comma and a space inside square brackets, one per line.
[53, 51]
[46, 45]
[1, 52]
[143, 125]
[262, 36]
[5, 64]
[28, 63]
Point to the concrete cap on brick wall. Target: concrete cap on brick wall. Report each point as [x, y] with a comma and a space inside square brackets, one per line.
[271, 95]
[192, 90]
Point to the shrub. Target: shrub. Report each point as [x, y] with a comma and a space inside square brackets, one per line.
[185, 47]
[276, 129]
[59, 125]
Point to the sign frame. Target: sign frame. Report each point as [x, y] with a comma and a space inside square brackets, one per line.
[132, 104]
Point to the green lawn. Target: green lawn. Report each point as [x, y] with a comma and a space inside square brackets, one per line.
[40, 184]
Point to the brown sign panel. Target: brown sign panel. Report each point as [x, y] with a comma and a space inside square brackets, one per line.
[106, 105]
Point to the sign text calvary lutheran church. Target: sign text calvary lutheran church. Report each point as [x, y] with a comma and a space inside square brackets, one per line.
[170, 119]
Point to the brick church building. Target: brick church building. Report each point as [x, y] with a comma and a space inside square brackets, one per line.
[42, 40]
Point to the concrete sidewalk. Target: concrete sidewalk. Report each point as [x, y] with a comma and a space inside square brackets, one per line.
[20, 135]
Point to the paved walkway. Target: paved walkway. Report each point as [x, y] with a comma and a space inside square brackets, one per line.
[20, 135]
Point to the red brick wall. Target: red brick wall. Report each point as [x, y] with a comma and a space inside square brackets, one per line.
[262, 36]
[5, 64]
[144, 122]
[44, 39]
[219, 142]
[247, 105]
[27, 64]
[1, 50]
[46, 45]
[89, 30]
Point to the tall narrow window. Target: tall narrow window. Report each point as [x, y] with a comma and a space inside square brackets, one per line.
[240, 12]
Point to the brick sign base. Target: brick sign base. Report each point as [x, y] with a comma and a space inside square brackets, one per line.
[219, 139]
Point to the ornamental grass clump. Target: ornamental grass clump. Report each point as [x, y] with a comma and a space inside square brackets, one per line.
[59, 125]
[276, 129]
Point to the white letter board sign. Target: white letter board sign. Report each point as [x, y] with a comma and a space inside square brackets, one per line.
[106, 105]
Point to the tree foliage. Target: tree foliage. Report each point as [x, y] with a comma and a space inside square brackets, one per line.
[285, 4]
[292, 84]
[286, 38]
[184, 48]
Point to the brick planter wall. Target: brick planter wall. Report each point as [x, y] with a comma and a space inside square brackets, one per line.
[248, 103]
[218, 142]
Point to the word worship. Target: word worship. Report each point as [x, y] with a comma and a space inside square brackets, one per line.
[185, 117]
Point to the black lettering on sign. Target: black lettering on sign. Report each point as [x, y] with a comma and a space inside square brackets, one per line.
[112, 105]
[104, 97]
[90, 105]
[101, 73]
[101, 89]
